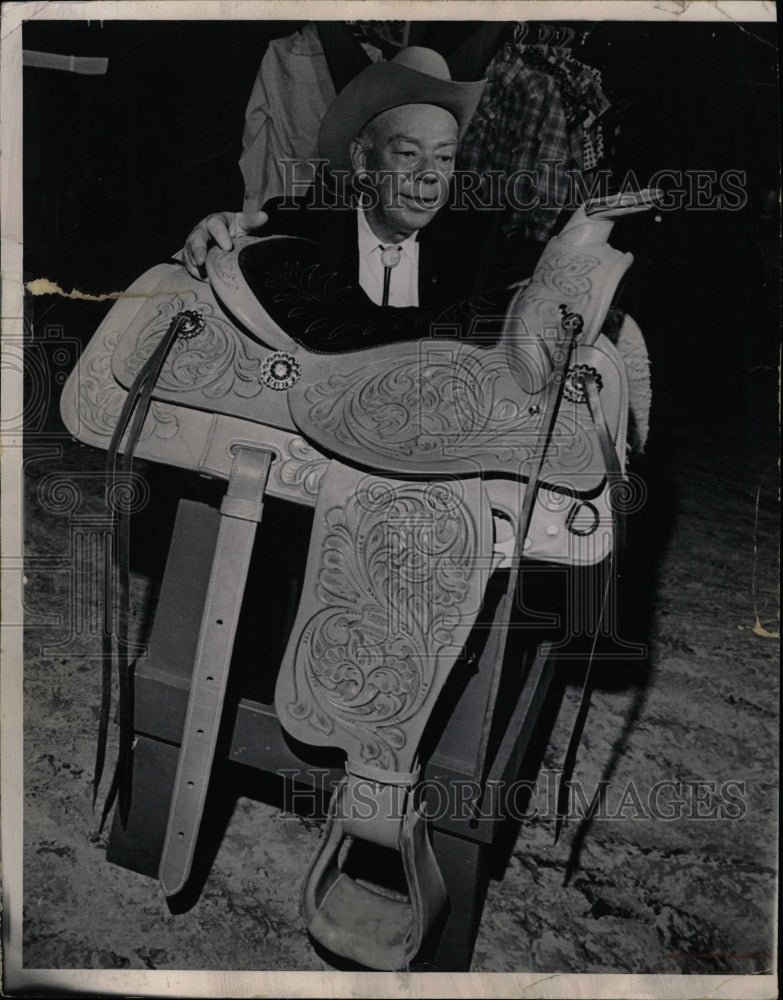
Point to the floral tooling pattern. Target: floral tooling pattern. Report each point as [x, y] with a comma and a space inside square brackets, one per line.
[427, 408]
[393, 580]
[561, 274]
[101, 399]
[304, 468]
[214, 362]
[435, 409]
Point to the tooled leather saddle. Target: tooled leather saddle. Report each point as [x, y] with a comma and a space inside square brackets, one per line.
[411, 451]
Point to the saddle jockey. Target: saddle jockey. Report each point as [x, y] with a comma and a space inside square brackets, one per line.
[395, 129]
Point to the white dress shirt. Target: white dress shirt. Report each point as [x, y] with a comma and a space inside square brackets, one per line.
[404, 291]
[404, 283]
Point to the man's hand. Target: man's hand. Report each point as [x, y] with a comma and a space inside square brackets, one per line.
[220, 228]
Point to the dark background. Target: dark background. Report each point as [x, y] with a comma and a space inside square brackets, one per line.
[119, 167]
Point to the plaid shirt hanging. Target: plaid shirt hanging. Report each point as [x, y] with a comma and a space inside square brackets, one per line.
[521, 125]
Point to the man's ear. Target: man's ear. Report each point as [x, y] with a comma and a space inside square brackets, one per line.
[358, 155]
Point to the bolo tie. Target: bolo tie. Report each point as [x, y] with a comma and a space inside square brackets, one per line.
[390, 258]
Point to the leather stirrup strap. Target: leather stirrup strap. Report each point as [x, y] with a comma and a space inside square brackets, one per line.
[241, 512]
[395, 579]
[119, 499]
[615, 479]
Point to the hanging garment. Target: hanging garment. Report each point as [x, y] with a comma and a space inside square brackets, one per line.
[520, 125]
[583, 100]
[289, 99]
[589, 80]
[592, 148]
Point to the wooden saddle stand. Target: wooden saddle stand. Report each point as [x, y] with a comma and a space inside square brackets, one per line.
[412, 455]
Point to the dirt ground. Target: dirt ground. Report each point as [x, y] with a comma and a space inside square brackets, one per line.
[643, 887]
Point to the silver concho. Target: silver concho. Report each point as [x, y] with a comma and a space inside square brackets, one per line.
[280, 371]
[574, 388]
[191, 323]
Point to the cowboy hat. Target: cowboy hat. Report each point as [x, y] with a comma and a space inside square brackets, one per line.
[416, 75]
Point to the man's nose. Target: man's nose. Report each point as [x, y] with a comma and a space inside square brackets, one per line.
[428, 172]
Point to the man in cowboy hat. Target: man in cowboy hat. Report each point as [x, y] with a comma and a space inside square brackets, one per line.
[395, 129]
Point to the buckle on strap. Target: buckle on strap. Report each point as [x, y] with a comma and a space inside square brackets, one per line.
[359, 921]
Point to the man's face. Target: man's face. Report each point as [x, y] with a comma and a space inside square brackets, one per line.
[409, 153]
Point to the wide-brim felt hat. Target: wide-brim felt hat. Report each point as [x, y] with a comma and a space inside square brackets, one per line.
[416, 75]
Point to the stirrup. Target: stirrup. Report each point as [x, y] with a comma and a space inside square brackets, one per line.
[353, 918]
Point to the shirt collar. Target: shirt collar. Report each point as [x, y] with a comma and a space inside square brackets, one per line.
[369, 242]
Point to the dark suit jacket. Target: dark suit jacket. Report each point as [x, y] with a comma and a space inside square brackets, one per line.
[465, 267]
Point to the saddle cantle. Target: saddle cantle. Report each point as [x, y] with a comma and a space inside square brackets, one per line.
[409, 450]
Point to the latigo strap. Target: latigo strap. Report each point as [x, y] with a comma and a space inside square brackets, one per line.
[125, 437]
[240, 515]
[615, 479]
